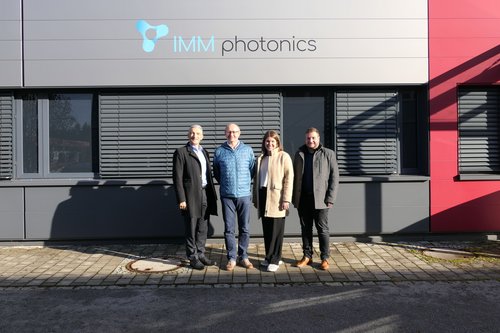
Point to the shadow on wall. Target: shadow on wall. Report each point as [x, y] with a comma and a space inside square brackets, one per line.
[479, 215]
[491, 73]
[116, 210]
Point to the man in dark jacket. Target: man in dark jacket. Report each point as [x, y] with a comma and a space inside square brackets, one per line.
[315, 189]
[196, 195]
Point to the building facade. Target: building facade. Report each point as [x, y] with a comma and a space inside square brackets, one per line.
[95, 96]
[464, 105]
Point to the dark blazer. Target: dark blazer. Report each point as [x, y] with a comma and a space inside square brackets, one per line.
[187, 181]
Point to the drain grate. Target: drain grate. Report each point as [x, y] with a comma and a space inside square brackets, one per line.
[448, 254]
[155, 265]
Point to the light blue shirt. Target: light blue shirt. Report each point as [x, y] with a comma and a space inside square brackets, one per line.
[199, 153]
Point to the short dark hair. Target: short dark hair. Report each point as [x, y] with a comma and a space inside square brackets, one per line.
[312, 129]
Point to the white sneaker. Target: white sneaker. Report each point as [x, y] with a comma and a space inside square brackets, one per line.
[265, 263]
[272, 267]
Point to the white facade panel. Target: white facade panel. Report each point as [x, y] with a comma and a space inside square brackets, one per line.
[10, 44]
[220, 42]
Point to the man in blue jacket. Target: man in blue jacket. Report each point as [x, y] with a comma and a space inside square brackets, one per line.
[233, 166]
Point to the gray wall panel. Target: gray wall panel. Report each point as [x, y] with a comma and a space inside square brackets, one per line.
[74, 43]
[105, 29]
[382, 208]
[225, 9]
[11, 51]
[10, 44]
[125, 73]
[405, 219]
[101, 212]
[11, 214]
[150, 211]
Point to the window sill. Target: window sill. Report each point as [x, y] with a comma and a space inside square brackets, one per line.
[83, 182]
[168, 181]
[477, 176]
[383, 179]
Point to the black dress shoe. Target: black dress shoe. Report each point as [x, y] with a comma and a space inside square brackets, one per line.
[196, 264]
[207, 261]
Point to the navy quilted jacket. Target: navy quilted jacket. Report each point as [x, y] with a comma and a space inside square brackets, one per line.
[234, 170]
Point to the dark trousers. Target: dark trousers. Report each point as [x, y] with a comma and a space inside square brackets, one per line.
[309, 215]
[273, 229]
[196, 232]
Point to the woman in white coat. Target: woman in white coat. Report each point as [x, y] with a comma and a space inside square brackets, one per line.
[272, 193]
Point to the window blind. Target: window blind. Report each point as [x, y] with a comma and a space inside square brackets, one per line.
[6, 131]
[366, 132]
[478, 126]
[139, 133]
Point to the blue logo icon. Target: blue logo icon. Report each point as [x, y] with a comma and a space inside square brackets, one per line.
[148, 45]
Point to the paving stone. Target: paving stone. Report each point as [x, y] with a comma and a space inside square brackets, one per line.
[296, 278]
[105, 265]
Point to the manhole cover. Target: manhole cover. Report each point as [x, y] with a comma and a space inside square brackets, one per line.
[154, 265]
[448, 254]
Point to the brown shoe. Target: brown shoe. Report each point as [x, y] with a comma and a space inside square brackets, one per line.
[246, 263]
[231, 264]
[304, 262]
[324, 265]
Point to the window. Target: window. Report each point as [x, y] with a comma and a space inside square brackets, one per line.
[374, 131]
[70, 134]
[302, 110]
[479, 130]
[410, 126]
[140, 132]
[56, 138]
[30, 134]
[381, 131]
[367, 132]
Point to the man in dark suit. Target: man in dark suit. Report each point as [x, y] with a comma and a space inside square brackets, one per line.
[196, 195]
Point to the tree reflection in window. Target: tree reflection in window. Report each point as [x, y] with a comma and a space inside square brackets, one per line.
[30, 133]
[70, 135]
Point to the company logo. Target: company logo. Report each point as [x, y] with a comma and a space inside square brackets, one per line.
[235, 46]
[148, 45]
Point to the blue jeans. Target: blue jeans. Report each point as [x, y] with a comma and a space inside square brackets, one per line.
[232, 209]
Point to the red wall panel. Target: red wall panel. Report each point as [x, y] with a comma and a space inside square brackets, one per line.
[464, 48]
